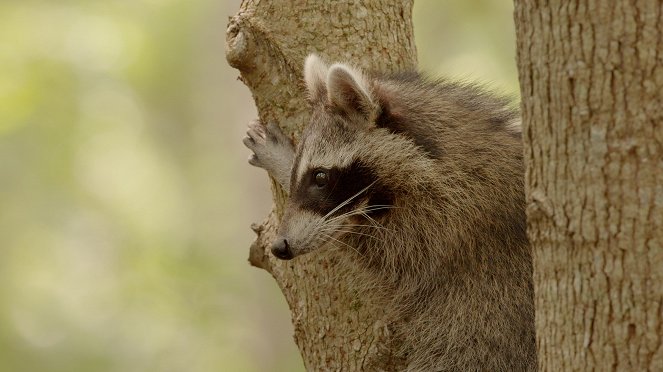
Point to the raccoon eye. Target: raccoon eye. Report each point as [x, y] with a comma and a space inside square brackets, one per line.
[321, 178]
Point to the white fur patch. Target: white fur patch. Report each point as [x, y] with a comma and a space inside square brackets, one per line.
[317, 155]
[347, 86]
[315, 73]
[297, 230]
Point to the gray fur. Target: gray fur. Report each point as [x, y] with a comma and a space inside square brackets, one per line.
[272, 150]
[449, 256]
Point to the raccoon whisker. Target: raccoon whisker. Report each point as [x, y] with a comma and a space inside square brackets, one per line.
[335, 245]
[324, 220]
[336, 240]
[371, 208]
[371, 220]
[330, 242]
[363, 234]
[364, 212]
[340, 217]
[360, 211]
[388, 206]
[372, 225]
[374, 208]
[352, 232]
[323, 238]
[348, 200]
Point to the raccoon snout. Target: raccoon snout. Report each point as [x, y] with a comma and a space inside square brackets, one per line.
[281, 249]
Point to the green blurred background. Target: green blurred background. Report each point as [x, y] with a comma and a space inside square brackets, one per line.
[125, 196]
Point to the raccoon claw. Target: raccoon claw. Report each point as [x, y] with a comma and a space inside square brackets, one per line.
[264, 142]
[256, 130]
[253, 160]
[272, 150]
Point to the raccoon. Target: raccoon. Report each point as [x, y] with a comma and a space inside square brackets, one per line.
[421, 183]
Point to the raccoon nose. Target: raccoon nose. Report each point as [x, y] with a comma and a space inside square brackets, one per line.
[281, 249]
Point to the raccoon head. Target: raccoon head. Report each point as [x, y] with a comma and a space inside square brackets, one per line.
[334, 187]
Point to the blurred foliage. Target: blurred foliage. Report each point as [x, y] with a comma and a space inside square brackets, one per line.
[468, 40]
[125, 198]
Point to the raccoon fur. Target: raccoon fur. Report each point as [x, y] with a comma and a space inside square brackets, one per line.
[420, 183]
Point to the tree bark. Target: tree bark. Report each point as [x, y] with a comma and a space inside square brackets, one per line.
[267, 42]
[591, 76]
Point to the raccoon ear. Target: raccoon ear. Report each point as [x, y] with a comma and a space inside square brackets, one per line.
[348, 90]
[315, 72]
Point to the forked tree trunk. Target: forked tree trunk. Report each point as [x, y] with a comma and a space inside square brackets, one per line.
[268, 41]
[591, 75]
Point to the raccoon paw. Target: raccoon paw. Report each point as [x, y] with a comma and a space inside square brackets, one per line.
[272, 150]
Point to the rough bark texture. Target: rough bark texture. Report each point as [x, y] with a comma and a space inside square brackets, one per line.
[591, 75]
[268, 41]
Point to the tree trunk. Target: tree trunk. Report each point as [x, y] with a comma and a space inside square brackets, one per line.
[591, 76]
[268, 41]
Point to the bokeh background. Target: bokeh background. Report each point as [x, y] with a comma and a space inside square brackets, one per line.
[125, 196]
